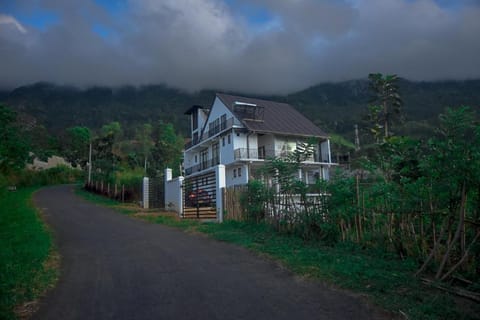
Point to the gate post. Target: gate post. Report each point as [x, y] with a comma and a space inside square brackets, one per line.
[220, 184]
[146, 193]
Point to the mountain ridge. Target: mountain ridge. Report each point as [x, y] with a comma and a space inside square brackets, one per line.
[333, 106]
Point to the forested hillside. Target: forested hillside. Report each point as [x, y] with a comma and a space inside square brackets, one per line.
[336, 107]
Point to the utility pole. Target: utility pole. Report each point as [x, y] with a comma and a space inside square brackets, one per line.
[90, 164]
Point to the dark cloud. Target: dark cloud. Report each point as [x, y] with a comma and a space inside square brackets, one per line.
[194, 44]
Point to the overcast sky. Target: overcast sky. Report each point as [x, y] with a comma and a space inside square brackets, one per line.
[262, 46]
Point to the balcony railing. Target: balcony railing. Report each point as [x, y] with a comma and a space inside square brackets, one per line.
[261, 154]
[202, 166]
[214, 130]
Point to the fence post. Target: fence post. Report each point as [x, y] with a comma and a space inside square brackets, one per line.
[221, 183]
[180, 196]
[145, 192]
[123, 193]
[166, 178]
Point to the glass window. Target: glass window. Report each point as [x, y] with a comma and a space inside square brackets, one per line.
[239, 172]
[234, 173]
[229, 139]
[223, 142]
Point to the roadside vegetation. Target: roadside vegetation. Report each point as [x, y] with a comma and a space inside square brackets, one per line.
[28, 262]
[380, 276]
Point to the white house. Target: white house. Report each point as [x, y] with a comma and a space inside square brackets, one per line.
[242, 133]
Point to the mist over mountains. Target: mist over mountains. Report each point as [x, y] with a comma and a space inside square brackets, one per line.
[335, 107]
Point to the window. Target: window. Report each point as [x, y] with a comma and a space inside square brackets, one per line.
[196, 159]
[229, 139]
[234, 173]
[223, 142]
[215, 154]
[223, 122]
[239, 172]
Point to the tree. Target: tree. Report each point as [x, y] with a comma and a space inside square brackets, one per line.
[13, 146]
[167, 149]
[453, 166]
[76, 145]
[386, 101]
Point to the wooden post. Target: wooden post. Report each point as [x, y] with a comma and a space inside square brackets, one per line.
[115, 191]
[108, 189]
[123, 193]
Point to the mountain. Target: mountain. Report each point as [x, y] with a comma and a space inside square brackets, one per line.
[336, 107]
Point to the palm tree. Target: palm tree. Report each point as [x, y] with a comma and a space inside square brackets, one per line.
[386, 101]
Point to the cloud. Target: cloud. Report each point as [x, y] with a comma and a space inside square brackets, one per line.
[195, 44]
[9, 20]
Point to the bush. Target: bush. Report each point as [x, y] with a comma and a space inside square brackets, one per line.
[56, 175]
[253, 201]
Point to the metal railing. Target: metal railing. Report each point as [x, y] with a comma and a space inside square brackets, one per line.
[222, 126]
[261, 154]
[202, 166]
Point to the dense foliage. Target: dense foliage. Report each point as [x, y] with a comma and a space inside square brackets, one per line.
[416, 198]
[335, 107]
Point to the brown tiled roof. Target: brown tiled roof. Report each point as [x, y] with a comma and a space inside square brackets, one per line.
[278, 118]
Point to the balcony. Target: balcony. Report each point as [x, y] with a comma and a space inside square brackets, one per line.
[209, 163]
[262, 154]
[212, 131]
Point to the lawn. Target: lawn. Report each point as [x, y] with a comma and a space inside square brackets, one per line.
[28, 262]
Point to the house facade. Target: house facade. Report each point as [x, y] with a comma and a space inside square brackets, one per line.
[242, 133]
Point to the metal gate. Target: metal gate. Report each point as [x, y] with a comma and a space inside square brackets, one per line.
[200, 196]
[156, 193]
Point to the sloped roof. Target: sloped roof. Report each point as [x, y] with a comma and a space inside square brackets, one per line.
[279, 118]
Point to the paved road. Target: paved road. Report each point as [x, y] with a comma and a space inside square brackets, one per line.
[116, 267]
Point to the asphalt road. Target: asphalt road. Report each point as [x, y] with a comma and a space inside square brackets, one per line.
[116, 267]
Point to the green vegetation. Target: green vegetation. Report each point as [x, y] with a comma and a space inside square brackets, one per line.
[335, 107]
[385, 278]
[27, 259]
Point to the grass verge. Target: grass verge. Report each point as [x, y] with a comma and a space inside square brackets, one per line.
[384, 279]
[28, 261]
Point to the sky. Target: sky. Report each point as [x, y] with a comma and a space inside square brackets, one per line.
[257, 46]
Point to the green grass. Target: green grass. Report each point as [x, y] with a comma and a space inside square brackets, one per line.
[27, 258]
[385, 279]
[127, 209]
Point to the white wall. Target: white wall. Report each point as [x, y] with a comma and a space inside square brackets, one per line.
[218, 109]
[238, 180]
[226, 151]
[239, 140]
[173, 193]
